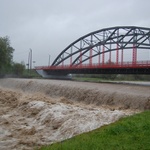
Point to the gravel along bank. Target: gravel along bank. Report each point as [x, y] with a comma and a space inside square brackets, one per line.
[39, 112]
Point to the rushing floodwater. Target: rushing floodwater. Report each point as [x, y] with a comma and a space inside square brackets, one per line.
[34, 113]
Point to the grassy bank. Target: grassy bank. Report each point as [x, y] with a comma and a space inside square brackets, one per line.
[88, 79]
[130, 133]
[111, 77]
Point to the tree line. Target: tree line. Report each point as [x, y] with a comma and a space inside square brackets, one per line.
[7, 66]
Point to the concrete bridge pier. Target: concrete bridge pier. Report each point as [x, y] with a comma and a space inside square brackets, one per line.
[47, 75]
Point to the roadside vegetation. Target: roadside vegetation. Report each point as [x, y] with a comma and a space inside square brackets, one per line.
[110, 77]
[9, 68]
[130, 133]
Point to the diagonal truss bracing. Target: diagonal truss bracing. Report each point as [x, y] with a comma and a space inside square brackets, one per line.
[103, 41]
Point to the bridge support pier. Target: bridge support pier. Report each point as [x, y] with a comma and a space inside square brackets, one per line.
[44, 74]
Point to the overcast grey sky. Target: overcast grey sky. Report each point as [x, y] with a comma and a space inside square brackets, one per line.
[48, 26]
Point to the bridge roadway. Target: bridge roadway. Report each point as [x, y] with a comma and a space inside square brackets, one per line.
[140, 67]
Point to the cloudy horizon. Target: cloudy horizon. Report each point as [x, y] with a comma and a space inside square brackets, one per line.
[49, 26]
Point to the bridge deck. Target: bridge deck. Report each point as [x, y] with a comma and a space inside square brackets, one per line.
[139, 64]
[140, 67]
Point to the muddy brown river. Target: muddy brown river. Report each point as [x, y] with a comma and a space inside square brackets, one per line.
[36, 112]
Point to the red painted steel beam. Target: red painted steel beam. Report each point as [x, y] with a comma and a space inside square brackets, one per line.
[122, 56]
[140, 64]
[117, 54]
[134, 55]
[103, 55]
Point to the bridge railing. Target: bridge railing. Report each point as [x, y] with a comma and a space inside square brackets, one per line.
[138, 64]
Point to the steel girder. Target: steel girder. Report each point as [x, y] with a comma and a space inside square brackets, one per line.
[125, 37]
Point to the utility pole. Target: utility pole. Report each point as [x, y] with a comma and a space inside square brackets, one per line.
[28, 62]
[30, 59]
[49, 60]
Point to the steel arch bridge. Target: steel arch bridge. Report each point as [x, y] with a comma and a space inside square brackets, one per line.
[105, 51]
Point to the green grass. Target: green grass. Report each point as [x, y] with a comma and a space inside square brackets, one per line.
[86, 79]
[130, 133]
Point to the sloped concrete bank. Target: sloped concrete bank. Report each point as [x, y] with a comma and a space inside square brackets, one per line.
[98, 94]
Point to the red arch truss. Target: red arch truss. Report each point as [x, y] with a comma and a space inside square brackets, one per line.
[108, 40]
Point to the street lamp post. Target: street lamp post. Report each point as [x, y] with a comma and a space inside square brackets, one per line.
[30, 58]
[30, 61]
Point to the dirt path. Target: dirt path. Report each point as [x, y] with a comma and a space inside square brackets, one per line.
[39, 112]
